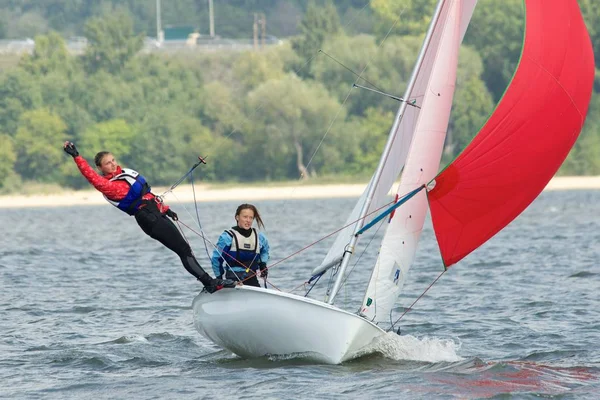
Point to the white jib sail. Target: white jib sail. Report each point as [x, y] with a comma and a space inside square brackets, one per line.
[397, 158]
[399, 244]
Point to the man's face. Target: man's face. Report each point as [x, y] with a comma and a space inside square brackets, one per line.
[108, 165]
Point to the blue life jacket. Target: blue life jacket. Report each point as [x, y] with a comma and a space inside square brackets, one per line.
[138, 187]
[244, 253]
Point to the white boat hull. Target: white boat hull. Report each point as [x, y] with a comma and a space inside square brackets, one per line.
[253, 322]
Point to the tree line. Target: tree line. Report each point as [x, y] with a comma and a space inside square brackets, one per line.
[233, 18]
[285, 112]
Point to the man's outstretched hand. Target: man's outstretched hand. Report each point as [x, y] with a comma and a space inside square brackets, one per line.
[70, 149]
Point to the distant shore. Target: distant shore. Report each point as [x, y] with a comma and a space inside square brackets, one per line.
[206, 193]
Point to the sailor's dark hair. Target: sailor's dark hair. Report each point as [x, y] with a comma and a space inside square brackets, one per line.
[257, 217]
[98, 158]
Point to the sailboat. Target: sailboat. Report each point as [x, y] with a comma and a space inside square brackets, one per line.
[496, 177]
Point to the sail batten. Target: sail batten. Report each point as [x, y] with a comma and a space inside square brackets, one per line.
[527, 137]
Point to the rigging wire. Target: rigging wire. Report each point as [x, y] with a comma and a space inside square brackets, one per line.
[347, 95]
[415, 302]
[350, 70]
[190, 173]
[362, 253]
[198, 213]
[201, 229]
[257, 109]
[326, 236]
[391, 96]
[201, 234]
[201, 160]
[313, 285]
[350, 90]
[357, 14]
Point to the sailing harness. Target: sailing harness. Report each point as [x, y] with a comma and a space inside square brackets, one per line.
[138, 187]
[244, 253]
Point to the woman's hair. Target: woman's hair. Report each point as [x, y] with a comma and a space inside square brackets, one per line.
[98, 158]
[246, 206]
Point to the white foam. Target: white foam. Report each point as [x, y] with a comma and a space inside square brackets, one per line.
[407, 347]
[134, 338]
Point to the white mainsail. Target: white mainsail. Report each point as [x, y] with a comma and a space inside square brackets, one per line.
[402, 138]
[434, 97]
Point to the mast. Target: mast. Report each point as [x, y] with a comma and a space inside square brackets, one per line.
[386, 151]
[159, 36]
[211, 18]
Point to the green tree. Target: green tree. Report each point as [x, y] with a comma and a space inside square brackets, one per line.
[472, 103]
[253, 68]
[105, 96]
[58, 92]
[496, 32]
[363, 142]
[28, 24]
[111, 43]
[584, 158]
[318, 24]
[384, 68]
[39, 146]
[164, 143]
[412, 17]
[115, 136]
[220, 110]
[222, 155]
[3, 23]
[293, 119]
[591, 13]
[7, 157]
[49, 54]
[162, 82]
[19, 92]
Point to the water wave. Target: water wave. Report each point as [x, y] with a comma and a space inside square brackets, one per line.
[407, 347]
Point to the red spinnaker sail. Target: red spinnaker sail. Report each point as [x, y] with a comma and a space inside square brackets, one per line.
[526, 139]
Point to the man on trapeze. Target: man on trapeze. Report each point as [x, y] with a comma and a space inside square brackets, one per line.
[127, 190]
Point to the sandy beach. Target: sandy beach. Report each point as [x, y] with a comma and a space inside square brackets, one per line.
[205, 193]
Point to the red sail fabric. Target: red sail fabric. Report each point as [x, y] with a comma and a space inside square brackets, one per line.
[526, 139]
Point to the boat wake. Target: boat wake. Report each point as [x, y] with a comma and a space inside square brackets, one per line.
[407, 347]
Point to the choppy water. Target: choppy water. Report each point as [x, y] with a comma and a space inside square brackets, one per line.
[92, 308]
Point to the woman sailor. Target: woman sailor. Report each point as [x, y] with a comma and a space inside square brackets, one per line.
[130, 192]
[242, 251]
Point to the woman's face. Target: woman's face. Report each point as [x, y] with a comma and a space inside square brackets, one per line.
[245, 218]
[108, 165]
